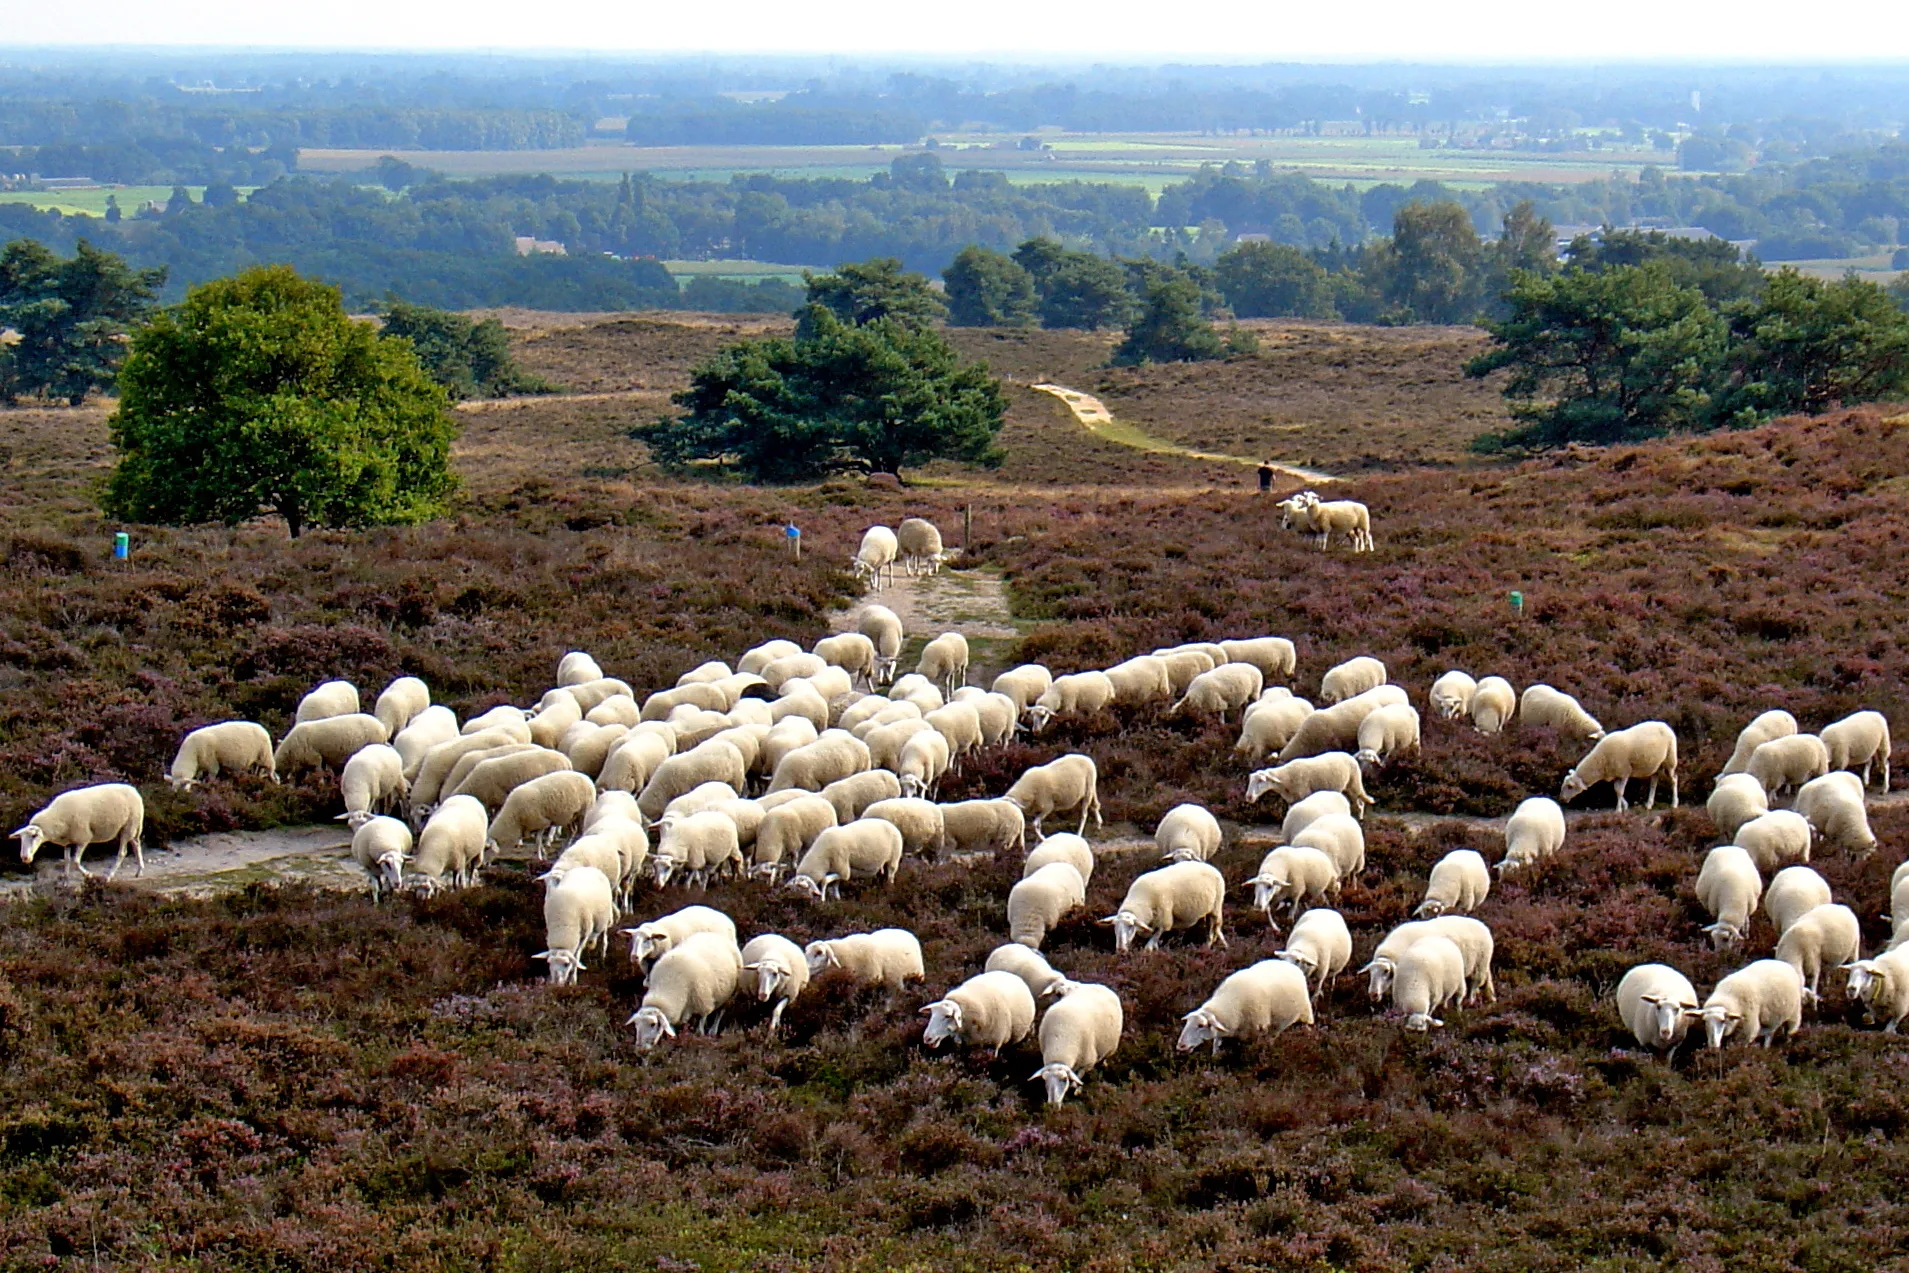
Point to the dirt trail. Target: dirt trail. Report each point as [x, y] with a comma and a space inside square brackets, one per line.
[971, 602]
[211, 863]
[1099, 421]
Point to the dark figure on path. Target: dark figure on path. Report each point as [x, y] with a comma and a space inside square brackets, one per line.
[1265, 478]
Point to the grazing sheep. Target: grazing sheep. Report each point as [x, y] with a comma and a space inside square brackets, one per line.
[885, 742]
[1176, 896]
[920, 544]
[999, 717]
[1228, 688]
[833, 756]
[1737, 799]
[1794, 892]
[1542, 705]
[1029, 965]
[1304, 813]
[780, 969]
[919, 690]
[553, 804]
[234, 746]
[851, 795]
[513, 720]
[1340, 837]
[944, 661]
[1066, 847]
[1336, 728]
[1861, 739]
[1729, 888]
[1297, 779]
[1430, 975]
[372, 782]
[1772, 724]
[887, 956]
[830, 683]
[699, 846]
[1458, 883]
[380, 846]
[852, 652]
[982, 826]
[659, 705]
[1040, 900]
[400, 702]
[492, 781]
[1833, 806]
[1755, 1002]
[755, 659]
[650, 941]
[451, 843]
[1141, 680]
[1269, 725]
[1494, 704]
[959, 723]
[559, 710]
[579, 912]
[1024, 684]
[1385, 957]
[1881, 985]
[88, 815]
[1774, 839]
[1473, 939]
[1826, 936]
[590, 694]
[587, 746]
[875, 559]
[711, 671]
[1451, 695]
[1643, 751]
[919, 822]
[1386, 734]
[783, 737]
[577, 668]
[712, 761]
[1060, 786]
[1262, 998]
[332, 698]
[1293, 875]
[1320, 945]
[1788, 762]
[326, 743]
[1273, 656]
[1656, 1004]
[466, 763]
[790, 667]
[1077, 1033]
[1347, 518]
[701, 799]
[1188, 833]
[695, 979]
[990, 1010]
[601, 852]
[631, 763]
[1898, 915]
[1079, 694]
[862, 712]
[923, 760]
[1534, 832]
[882, 626]
[1183, 666]
[865, 847]
[430, 727]
[1354, 676]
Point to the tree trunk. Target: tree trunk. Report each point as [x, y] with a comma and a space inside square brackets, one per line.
[294, 517]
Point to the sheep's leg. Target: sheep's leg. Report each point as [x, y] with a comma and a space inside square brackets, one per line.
[1650, 795]
[1618, 784]
[73, 856]
[775, 1017]
[118, 861]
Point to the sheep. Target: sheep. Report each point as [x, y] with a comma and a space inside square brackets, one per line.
[1737, 799]
[1772, 724]
[919, 690]
[1534, 832]
[577, 668]
[380, 846]
[989, 1010]
[1729, 888]
[959, 724]
[1833, 806]
[1041, 899]
[587, 746]
[1542, 705]
[1340, 837]
[438, 763]
[883, 627]
[1494, 705]
[1776, 838]
[1458, 883]
[828, 683]
[982, 826]
[1269, 725]
[783, 737]
[1336, 728]
[866, 846]
[560, 710]
[875, 559]
[1347, 518]
[600, 852]
[1385, 956]
[1898, 915]
[850, 651]
[1788, 762]
[885, 742]
[579, 912]
[512, 719]
[699, 845]
[998, 716]
[492, 781]
[1061, 785]
[1187, 833]
[590, 694]
[88, 815]
[920, 544]
[659, 705]
[710, 671]
[1293, 875]
[632, 762]
[1656, 1003]
[944, 661]
[1473, 939]
[790, 667]
[1141, 680]
[554, 804]
[1881, 985]
[427, 729]
[923, 760]
[1024, 684]
[707, 762]
[1273, 656]
[655, 938]
[1184, 667]
[1826, 936]
[326, 743]
[1262, 998]
[887, 956]
[1179, 895]
[332, 698]
[1297, 779]
[1643, 751]
[1354, 676]
[781, 971]
[400, 702]
[1757, 1002]
[1222, 690]
[862, 712]
[1077, 1033]
[754, 660]
[919, 822]
[470, 760]
[372, 782]
[851, 795]
[1861, 739]
[1794, 892]
[234, 746]
[1320, 945]
[1304, 813]
[1387, 733]
[1027, 964]
[834, 755]
[695, 979]
[700, 799]
[1078, 694]
[452, 843]
[1430, 975]
[1451, 695]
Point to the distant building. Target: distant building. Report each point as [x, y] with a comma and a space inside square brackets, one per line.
[1566, 233]
[1252, 237]
[527, 246]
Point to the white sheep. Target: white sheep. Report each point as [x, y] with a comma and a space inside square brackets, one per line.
[862, 712]
[559, 710]
[875, 559]
[1430, 975]
[1340, 837]
[712, 761]
[710, 670]
[1293, 875]
[1077, 1033]
[658, 706]
[1188, 832]
[1534, 832]
[1273, 656]
[1794, 892]
[1262, 998]
[852, 652]
[1756, 1002]
[1269, 724]
[1775, 839]
[1860, 739]
[699, 845]
[918, 820]
[451, 843]
[1473, 939]
[1542, 705]
[919, 690]
[885, 742]
[1024, 684]
[577, 668]
[1645, 750]
[834, 755]
[515, 720]
[1297, 779]
[599, 852]
[326, 743]
[1833, 806]
[332, 698]
[701, 799]
[1347, 518]
[1898, 915]
[1039, 901]
[1060, 786]
[1458, 883]
[1729, 888]
[944, 661]
[1656, 1003]
[1881, 985]
[783, 737]
[758, 657]
[959, 723]
[883, 627]
[1184, 666]
[1228, 688]
[400, 702]
[1077, 694]
[982, 826]
[587, 746]
[694, 980]
[492, 776]
[655, 938]
[88, 815]
[887, 956]
[999, 717]
[380, 846]
[1494, 705]
[1786, 763]
[372, 782]
[1140, 680]
[1336, 728]
[790, 667]
[1320, 945]
[579, 913]
[1771, 724]
[589, 695]
[1385, 956]
[851, 795]
[553, 804]
[1826, 936]
[1354, 676]
[1737, 799]
[1451, 695]
[631, 763]
[1387, 734]
[989, 1010]
[864, 847]
[430, 727]
[1179, 895]
[1029, 965]
[1303, 813]
[923, 760]
[829, 684]
[781, 971]
[234, 746]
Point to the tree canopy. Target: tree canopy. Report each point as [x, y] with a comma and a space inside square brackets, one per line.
[1272, 280]
[988, 289]
[1171, 326]
[469, 359]
[862, 291]
[69, 319]
[260, 394]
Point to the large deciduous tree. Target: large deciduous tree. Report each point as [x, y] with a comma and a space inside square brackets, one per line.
[69, 318]
[1272, 280]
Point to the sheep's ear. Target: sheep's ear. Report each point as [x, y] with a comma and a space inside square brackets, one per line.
[669, 1030]
[1651, 998]
[755, 967]
[578, 965]
[542, 954]
[1694, 1014]
[14, 835]
[343, 817]
[1104, 923]
[928, 1010]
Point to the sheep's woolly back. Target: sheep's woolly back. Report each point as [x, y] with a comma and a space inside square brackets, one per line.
[694, 977]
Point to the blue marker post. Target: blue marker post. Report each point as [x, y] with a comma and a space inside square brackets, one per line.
[1518, 605]
[122, 545]
[794, 534]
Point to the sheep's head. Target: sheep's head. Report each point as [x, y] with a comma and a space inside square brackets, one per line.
[664, 869]
[651, 1027]
[1723, 936]
[1201, 1027]
[1433, 907]
[1380, 973]
[1719, 1020]
[1864, 980]
[1126, 926]
[564, 966]
[1572, 787]
[912, 785]
[391, 869]
[814, 888]
[944, 1022]
[822, 957]
[1304, 960]
[769, 977]
[1366, 756]
[1669, 1017]
[355, 818]
[1258, 783]
[645, 944]
[1421, 1022]
[31, 837]
[178, 783]
[1060, 1080]
[1267, 889]
[1507, 866]
[1038, 717]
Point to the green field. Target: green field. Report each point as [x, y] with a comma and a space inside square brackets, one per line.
[1874, 269]
[736, 271]
[92, 203]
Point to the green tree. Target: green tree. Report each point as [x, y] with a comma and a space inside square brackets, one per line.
[987, 289]
[877, 397]
[1088, 293]
[863, 291]
[260, 394]
[1170, 328]
[1712, 266]
[1431, 270]
[1807, 345]
[1272, 280]
[470, 359]
[71, 316]
[1605, 356]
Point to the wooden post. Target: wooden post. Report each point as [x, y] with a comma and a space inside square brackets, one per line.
[967, 527]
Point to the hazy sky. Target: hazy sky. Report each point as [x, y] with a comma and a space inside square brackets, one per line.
[1486, 30]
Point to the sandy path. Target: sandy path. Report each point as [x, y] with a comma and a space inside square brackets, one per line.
[971, 602]
[1099, 421]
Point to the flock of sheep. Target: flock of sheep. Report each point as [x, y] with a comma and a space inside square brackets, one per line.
[814, 770]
